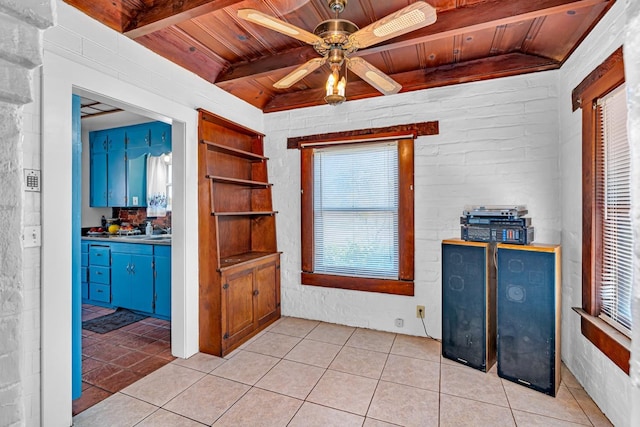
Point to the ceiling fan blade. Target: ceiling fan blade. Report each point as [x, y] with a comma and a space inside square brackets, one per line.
[278, 25]
[376, 78]
[407, 19]
[299, 73]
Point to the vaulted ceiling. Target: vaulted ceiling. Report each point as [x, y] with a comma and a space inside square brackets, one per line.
[471, 40]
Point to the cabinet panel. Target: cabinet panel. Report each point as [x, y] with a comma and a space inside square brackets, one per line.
[132, 276]
[237, 306]
[142, 283]
[266, 278]
[98, 180]
[121, 288]
[100, 292]
[99, 274]
[137, 136]
[160, 138]
[99, 255]
[137, 180]
[162, 280]
[116, 176]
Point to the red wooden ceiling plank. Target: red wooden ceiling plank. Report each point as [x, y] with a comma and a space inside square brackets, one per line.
[169, 12]
[464, 72]
[449, 24]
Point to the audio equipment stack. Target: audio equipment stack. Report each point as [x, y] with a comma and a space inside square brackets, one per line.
[496, 224]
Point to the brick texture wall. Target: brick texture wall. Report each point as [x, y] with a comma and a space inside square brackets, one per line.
[21, 26]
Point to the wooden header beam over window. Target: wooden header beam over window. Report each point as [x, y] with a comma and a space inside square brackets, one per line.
[615, 60]
[414, 129]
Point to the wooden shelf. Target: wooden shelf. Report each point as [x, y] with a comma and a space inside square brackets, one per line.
[239, 259]
[234, 151]
[248, 213]
[242, 182]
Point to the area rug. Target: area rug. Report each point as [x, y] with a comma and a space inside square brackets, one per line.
[110, 322]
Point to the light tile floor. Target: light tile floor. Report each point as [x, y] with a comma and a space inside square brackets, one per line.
[307, 373]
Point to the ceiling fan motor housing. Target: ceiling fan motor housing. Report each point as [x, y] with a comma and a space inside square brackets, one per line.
[335, 33]
[337, 5]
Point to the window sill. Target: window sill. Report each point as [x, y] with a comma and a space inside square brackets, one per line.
[387, 286]
[613, 343]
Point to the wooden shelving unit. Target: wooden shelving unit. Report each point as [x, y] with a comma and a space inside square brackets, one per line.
[239, 260]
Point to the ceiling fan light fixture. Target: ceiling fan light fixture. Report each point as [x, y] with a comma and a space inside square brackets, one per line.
[336, 87]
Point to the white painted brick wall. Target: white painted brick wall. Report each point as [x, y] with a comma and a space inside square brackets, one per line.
[498, 144]
[606, 384]
[21, 28]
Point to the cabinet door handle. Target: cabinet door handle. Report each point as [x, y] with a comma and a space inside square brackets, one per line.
[133, 269]
[99, 273]
[255, 293]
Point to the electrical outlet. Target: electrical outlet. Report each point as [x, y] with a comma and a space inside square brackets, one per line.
[420, 311]
[399, 323]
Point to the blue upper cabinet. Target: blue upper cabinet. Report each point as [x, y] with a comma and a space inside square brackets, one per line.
[138, 136]
[98, 178]
[160, 138]
[117, 177]
[118, 168]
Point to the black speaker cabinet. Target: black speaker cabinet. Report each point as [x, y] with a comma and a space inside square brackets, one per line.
[529, 315]
[468, 303]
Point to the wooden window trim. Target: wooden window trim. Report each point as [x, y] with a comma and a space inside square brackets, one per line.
[604, 79]
[404, 285]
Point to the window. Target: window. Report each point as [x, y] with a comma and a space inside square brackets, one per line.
[606, 224]
[355, 210]
[613, 200]
[357, 216]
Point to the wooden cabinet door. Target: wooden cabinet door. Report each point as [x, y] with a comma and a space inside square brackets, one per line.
[266, 291]
[237, 306]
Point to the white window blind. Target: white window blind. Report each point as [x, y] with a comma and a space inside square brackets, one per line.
[614, 200]
[356, 210]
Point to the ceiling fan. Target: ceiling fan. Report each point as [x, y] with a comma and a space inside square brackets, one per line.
[335, 39]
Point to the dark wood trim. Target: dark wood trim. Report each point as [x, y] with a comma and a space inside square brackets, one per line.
[613, 343]
[604, 79]
[616, 59]
[406, 214]
[306, 226]
[167, 13]
[417, 129]
[386, 286]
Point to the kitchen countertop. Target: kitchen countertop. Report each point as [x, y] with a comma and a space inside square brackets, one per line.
[156, 239]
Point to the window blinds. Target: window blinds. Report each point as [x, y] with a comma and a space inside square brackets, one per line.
[614, 202]
[356, 210]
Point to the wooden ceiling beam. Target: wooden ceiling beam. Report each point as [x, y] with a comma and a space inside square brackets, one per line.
[449, 24]
[166, 13]
[480, 69]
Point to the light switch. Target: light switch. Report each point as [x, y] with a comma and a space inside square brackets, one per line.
[135, 200]
[31, 236]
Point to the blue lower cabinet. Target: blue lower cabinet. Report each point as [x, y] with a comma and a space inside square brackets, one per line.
[100, 292]
[162, 263]
[132, 276]
[84, 270]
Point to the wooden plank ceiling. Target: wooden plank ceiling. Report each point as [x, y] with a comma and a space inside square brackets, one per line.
[471, 40]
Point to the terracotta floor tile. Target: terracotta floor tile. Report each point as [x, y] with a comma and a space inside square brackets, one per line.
[142, 329]
[149, 365]
[102, 372]
[155, 347]
[118, 381]
[159, 334]
[89, 364]
[135, 342]
[129, 359]
[166, 354]
[90, 396]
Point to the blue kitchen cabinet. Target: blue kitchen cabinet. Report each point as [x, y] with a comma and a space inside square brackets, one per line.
[98, 179]
[137, 136]
[132, 276]
[162, 276]
[84, 270]
[118, 168]
[160, 138]
[136, 178]
[99, 274]
[117, 178]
